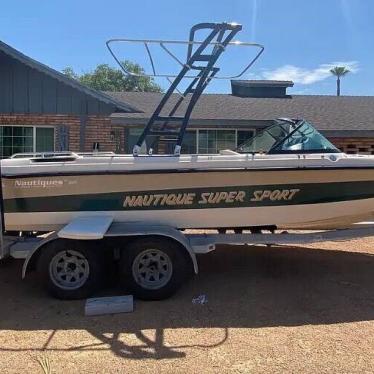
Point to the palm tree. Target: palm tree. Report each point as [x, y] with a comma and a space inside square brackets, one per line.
[339, 71]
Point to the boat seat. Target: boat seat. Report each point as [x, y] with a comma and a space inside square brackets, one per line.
[227, 152]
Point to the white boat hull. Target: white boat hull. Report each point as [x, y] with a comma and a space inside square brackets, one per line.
[236, 191]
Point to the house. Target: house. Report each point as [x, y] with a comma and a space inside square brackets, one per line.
[43, 110]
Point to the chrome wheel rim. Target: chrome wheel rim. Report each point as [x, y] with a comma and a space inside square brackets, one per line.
[69, 270]
[152, 269]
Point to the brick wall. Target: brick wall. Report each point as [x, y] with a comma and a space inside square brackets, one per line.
[354, 145]
[98, 129]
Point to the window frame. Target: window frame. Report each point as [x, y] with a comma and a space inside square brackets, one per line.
[34, 128]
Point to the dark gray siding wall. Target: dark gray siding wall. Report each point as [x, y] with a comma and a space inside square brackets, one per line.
[24, 90]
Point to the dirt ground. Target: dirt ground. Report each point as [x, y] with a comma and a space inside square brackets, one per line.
[299, 310]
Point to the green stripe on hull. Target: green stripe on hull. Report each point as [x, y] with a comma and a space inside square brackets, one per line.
[198, 198]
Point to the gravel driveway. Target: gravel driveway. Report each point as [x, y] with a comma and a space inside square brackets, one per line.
[305, 309]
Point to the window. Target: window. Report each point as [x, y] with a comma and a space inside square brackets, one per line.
[45, 139]
[203, 141]
[189, 144]
[212, 141]
[23, 139]
[243, 136]
[265, 140]
[132, 138]
[305, 138]
[226, 139]
[207, 141]
[115, 136]
[287, 136]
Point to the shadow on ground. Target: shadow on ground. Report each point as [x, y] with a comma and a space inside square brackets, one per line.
[250, 287]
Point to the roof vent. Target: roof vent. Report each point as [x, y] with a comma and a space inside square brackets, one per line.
[260, 88]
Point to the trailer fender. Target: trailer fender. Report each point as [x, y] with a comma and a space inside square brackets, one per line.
[183, 240]
[34, 253]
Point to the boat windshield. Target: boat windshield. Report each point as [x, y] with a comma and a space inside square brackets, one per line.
[288, 137]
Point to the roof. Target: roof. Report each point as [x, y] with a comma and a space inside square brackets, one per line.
[331, 113]
[120, 105]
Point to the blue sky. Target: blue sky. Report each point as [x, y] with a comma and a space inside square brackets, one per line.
[302, 39]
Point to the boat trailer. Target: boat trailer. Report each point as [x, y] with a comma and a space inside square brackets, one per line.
[97, 228]
[157, 237]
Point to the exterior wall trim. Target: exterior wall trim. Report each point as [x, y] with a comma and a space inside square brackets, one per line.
[82, 132]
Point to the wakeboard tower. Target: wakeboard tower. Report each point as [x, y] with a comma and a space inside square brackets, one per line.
[200, 67]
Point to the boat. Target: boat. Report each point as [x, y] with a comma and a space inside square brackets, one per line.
[288, 176]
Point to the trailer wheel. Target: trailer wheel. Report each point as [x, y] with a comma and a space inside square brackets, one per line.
[70, 269]
[154, 268]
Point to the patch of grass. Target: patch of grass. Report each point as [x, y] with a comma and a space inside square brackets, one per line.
[45, 364]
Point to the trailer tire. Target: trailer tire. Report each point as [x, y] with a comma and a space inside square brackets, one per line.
[71, 269]
[154, 268]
